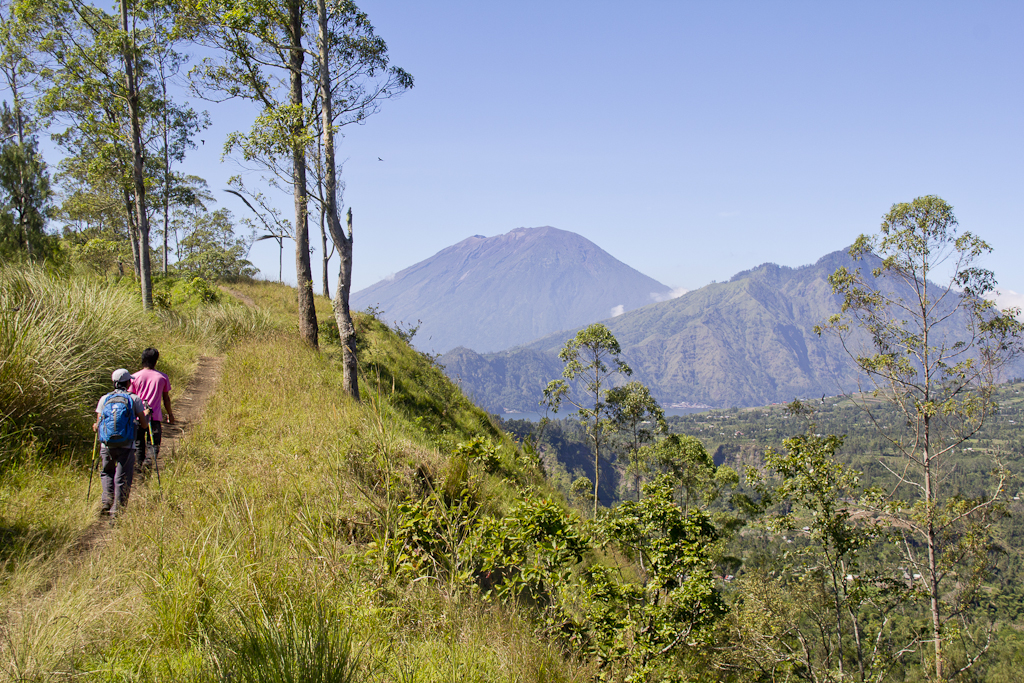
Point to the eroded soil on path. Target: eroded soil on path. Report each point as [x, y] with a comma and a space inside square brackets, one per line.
[188, 410]
[238, 295]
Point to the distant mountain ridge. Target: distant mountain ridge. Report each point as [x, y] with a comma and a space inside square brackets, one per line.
[749, 341]
[492, 293]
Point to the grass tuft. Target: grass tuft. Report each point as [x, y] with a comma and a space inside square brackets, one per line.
[295, 646]
[59, 340]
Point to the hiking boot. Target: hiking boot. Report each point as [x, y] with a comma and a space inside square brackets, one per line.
[104, 512]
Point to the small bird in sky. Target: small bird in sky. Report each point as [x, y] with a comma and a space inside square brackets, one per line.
[379, 159]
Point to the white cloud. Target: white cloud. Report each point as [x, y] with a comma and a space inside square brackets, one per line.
[618, 310]
[390, 276]
[1006, 298]
[671, 294]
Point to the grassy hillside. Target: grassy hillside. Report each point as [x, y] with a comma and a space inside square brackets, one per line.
[264, 520]
[297, 535]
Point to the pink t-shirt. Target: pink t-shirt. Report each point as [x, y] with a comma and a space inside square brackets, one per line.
[150, 386]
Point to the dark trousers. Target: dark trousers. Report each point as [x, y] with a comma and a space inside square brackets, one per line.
[142, 438]
[116, 476]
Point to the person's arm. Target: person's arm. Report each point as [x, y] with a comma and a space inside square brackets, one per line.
[99, 407]
[167, 407]
[142, 412]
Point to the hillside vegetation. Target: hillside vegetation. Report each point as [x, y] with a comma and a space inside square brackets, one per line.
[746, 342]
[263, 521]
[295, 534]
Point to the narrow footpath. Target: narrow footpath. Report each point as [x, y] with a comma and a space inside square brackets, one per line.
[188, 410]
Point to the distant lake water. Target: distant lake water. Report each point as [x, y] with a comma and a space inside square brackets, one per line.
[535, 417]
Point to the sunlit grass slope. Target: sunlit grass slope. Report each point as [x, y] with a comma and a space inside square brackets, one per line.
[61, 335]
[257, 551]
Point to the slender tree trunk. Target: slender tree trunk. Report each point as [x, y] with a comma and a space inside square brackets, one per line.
[326, 256]
[303, 270]
[138, 178]
[167, 170]
[930, 492]
[933, 561]
[342, 313]
[22, 199]
[133, 229]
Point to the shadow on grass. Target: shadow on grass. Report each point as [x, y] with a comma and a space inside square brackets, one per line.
[20, 541]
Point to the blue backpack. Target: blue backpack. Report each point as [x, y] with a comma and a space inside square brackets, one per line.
[117, 420]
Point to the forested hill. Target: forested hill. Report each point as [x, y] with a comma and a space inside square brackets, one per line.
[746, 342]
[490, 293]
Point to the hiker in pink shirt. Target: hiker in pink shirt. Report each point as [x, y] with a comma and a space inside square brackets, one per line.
[154, 388]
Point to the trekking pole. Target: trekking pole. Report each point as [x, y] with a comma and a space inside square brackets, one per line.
[95, 440]
[156, 460]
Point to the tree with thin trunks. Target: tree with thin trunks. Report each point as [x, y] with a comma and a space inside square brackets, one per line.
[262, 49]
[591, 358]
[354, 78]
[635, 413]
[935, 347]
[274, 227]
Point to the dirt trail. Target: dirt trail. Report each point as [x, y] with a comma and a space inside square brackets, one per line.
[238, 295]
[188, 410]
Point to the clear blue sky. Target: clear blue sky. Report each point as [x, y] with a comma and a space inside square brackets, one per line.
[691, 140]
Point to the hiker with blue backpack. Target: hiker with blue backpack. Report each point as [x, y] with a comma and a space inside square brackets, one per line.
[119, 416]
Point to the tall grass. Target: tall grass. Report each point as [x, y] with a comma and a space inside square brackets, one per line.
[219, 325]
[250, 563]
[60, 338]
[297, 646]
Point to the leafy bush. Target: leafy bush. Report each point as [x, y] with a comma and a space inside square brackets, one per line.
[198, 291]
[328, 331]
[480, 450]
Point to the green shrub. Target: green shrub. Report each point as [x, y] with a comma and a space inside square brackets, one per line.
[196, 291]
[328, 331]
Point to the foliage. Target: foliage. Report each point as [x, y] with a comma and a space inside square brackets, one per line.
[935, 353]
[691, 470]
[199, 290]
[585, 385]
[25, 194]
[210, 250]
[641, 626]
[529, 554]
[101, 255]
[95, 57]
[633, 413]
[855, 599]
[480, 450]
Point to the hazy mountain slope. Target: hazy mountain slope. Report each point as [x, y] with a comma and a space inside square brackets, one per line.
[491, 293]
[745, 342]
[510, 381]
